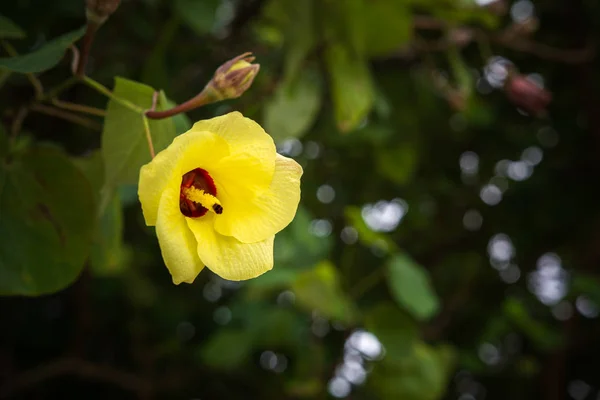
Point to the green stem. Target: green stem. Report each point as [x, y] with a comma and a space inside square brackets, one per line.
[105, 91]
[60, 88]
[78, 108]
[148, 136]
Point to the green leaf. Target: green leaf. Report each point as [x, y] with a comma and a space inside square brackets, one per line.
[43, 58]
[387, 26]
[124, 145]
[107, 254]
[411, 288]
[398, 163]
[10, 30]
[319, 290]
[351, 86]
[394, 328]
[544, 336]
[200, 16]
[227, 349]
[46, 222]
[294, 107]
[295, 20]
[365, 235]
[421, 376]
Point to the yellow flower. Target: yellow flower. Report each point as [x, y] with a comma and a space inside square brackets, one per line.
[217, 196]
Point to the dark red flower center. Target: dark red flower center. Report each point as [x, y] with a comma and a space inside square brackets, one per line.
[199, 179]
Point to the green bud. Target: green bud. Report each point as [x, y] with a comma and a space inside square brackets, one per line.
[233, 78]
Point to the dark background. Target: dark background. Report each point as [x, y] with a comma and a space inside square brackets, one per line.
[417, 151]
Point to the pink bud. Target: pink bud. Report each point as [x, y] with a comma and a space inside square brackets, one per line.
[528, 95]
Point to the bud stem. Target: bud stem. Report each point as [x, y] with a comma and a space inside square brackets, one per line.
[86, 46]
[205, 97]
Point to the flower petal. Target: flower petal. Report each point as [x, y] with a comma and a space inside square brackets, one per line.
[228, 257]
[249, 145]
[177, 242]
[252, 217]
[193, 149]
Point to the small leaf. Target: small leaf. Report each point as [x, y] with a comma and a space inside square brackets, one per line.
[10, 30]
[395, 329]
[294, 107]
[398, 163]
[124, 145]
[45, 57]
[319, 289]
[410, 286]
[227, 349]
[542, 335]
[295, 19]
[351, 86]
[367, 236]
[46, 222]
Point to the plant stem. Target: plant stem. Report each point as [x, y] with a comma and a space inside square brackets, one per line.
[76, 119]
[148, 136]
[205, 97]
[88, 39]
[105, 91]
[60, 88]
[18, 122]
[78, 108]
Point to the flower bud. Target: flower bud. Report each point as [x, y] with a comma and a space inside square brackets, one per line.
[528, 95]
[98, 11]
[233, 78]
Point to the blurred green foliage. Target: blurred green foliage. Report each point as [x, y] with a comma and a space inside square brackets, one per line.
[446, 245]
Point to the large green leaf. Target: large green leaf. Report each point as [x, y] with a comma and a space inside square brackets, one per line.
[411, 288]
[107, 253]
[421, 376]
[10, 30]
[46, 222]
[294, 107]
[319, 289]
[124, 145]
[43, 58]
[351, 86]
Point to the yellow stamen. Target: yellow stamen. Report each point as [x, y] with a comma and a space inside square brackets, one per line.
[203, 198]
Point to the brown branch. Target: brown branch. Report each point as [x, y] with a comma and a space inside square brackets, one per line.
[508, 39]
[86, 47]
[79, 368]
